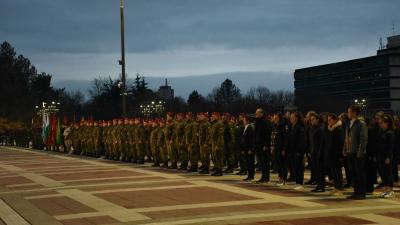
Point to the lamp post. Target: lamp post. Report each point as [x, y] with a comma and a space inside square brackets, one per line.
[122, 61]
[362, 103]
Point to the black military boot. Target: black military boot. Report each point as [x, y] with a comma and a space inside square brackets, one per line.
[205, 170]
[228, 170]
[183, 166]
[192, 169]
[156, 164]
[217, 173]
[141, 160]
[165, 164]
[173, 166]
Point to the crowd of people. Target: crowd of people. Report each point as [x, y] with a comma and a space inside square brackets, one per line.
[217, 144]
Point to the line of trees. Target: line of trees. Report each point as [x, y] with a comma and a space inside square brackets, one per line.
[22, 88]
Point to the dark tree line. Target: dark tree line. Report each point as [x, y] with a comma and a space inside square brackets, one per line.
[22, 88]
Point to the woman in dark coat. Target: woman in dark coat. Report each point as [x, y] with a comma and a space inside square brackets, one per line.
[384, 157]
[247, 146]
[296, 147]
[279, 147]
[334, 141]
[318, 158]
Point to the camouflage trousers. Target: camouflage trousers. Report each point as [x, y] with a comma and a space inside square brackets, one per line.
[205, 155]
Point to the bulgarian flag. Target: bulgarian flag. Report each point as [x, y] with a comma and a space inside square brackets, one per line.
[45, 128]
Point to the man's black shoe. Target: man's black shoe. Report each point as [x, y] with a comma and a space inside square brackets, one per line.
[248, 179]
[228, 170]
[347, 186]
[173, 166]
[318, 190]
[217, 173]
[204, 171]
[356, 197]
[262, 180]
[310, 182]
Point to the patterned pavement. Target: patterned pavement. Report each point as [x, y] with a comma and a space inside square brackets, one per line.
[43, 188]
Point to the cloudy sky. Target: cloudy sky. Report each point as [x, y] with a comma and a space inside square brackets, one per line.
[79, 39]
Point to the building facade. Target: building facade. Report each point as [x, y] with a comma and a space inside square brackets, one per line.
[373, 82]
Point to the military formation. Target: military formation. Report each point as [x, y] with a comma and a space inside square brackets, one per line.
[182, 141]
[327, 144]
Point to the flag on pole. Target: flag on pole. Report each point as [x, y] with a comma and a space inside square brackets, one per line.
[45, 128]
[53, 130]
[58, 138]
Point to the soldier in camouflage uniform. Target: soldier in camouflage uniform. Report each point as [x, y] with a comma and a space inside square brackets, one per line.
[169, 141]
[161, 144]
[107, 140]
[83, 131]
[75, 138]
[113, 140]
[124, 154]
[147, 128]
[155, 150]
[192, 141]
[179, 141]
[140, 135]
[130, 132]
[217, 141]
[204, 146]
[96, 136]
[229, 156]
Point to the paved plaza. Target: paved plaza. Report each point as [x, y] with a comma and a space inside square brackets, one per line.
[43, 188]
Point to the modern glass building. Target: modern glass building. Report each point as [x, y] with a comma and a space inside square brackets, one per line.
[372, 82]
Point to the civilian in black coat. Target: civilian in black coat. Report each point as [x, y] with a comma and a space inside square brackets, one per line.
[241, 155]
[396, 152]
[334, 141]
[262, 144]
[296, 148]
[318, 152]
[384, 157]
[371, 167]
[247, 146]
[279, 147]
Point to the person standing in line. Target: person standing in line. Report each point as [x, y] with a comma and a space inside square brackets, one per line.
[241, 153]
[262, 144]
[247, 147]
[386, 144]
[355, 150]
[297, 145]
[280, 147]
[318, 152]
[334, 141]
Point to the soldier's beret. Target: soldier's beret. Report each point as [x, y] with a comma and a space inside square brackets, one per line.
[216, 114]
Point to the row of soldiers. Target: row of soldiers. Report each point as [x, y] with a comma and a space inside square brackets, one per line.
[186, 140]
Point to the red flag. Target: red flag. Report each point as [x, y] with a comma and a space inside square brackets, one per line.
[53, 131]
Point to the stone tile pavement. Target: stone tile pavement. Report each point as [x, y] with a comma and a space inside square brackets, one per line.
[42, 188]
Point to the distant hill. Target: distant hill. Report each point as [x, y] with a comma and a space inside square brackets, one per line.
[202, 83]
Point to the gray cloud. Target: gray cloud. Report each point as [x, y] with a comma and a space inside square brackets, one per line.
[79, 39]
[91, 26]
